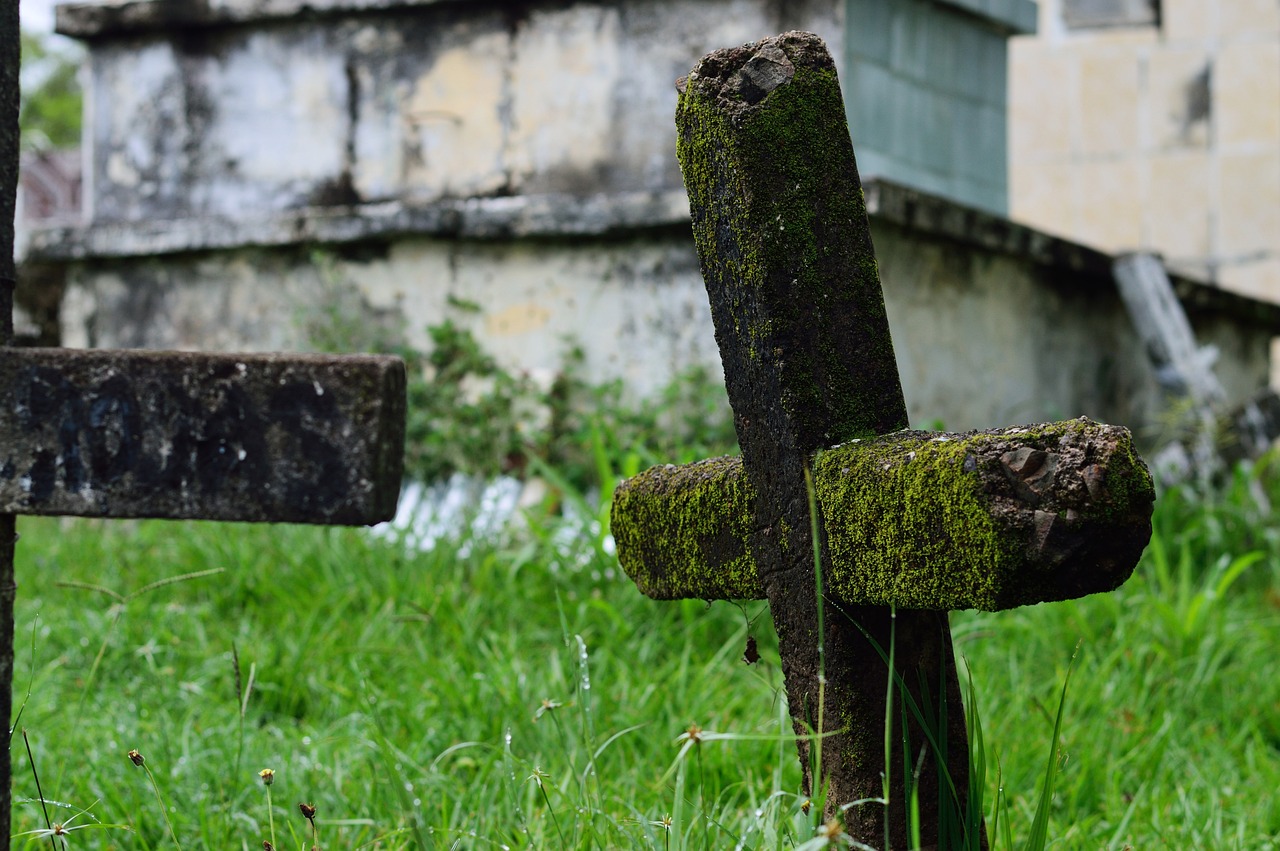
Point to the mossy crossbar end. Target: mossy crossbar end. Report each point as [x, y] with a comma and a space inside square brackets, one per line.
[984, 520]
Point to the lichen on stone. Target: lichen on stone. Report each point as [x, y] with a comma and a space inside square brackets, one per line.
[781, 228]
[986, 520]
[681, 532]
[924, 520]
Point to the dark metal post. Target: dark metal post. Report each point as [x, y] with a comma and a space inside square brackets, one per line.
[10, 48]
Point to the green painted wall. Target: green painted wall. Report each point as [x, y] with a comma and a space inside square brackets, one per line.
[925, 91]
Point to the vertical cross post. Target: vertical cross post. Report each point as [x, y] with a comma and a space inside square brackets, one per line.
[781, 229]
[10, 47]
[178, 435]
[909, 524]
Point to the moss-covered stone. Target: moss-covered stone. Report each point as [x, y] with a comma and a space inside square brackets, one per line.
[781, 228]
[926, 521]
[986, 520]
[681, 532]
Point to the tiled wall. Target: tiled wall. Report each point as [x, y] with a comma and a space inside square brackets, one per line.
[925, 89]
[1161, 137]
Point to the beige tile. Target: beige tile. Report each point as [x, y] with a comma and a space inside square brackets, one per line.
[1110, 212]
[1178, 204]
[1189, 20]
[1044, 195]
[1246, 94]
[1042, 102]
[1258, 279]
[1249, 204]
[1179, 97]
[1109, 101]
[1248, 17]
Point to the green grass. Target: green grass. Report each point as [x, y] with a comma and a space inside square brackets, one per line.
[516, 696]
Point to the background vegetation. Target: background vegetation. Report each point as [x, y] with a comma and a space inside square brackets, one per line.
[49, 107]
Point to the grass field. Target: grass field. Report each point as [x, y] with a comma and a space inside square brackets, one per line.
[523, 694]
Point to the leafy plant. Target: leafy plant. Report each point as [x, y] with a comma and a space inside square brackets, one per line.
[468, 414]
[50, 101]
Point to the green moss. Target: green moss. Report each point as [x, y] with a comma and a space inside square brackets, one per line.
[780, 221]
[681, 532]
[914, 520]
[907, 525]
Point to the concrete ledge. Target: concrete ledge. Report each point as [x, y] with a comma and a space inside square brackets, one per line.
[97, 20]
[924, 213]
[933, 214]
[1012, 17]
[562, 216]
[1092, 14]
[114, 17]
[473, 218]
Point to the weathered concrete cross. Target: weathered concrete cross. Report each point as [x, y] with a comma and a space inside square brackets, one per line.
[281, 438]
[911, 522]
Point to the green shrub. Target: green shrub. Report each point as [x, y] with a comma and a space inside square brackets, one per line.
[468, 414]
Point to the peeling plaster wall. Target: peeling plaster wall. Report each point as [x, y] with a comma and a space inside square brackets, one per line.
[986, 338]
[412, 104]
[983, 337]
[636, 306]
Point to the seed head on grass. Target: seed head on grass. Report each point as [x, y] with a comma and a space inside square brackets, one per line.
[268, 776]
[309, 813]
[60, 830]
[693, 737]
[665, 824]
[832, 830]
[537, 777]
[140, 761]
[548, 705]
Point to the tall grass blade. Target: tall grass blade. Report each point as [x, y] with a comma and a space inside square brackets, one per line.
[977, 772]
[1039, 834]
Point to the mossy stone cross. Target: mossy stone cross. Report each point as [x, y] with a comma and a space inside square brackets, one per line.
[911, 524]
[185, 435]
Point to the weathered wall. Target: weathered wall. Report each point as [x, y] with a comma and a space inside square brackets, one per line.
[636, 305]
[986, 338]
[415, 104]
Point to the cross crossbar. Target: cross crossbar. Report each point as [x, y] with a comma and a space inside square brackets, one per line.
[183, 435]
[987, 520]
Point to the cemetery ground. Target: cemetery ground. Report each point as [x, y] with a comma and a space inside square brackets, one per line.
[521, 693]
